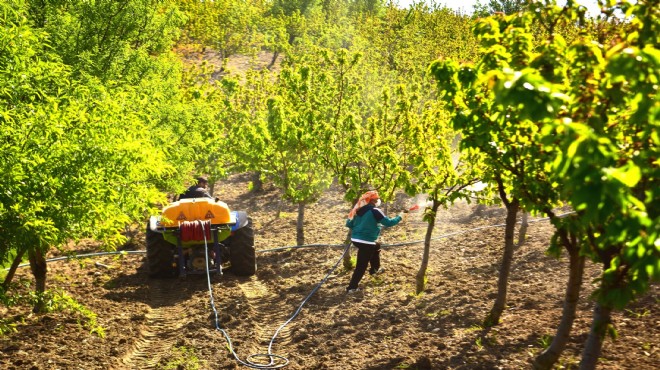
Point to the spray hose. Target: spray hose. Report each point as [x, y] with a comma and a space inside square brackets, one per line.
[250, 361]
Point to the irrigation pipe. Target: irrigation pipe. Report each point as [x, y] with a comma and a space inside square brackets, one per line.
[87, 255]
[411, 242]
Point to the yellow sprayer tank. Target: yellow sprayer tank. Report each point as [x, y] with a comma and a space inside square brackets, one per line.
[195, 209]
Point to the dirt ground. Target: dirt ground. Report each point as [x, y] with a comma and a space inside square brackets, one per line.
[169, 323]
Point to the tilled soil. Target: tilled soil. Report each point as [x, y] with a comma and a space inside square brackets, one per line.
[170, 323]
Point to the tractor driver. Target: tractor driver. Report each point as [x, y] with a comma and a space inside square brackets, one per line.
[199, 190]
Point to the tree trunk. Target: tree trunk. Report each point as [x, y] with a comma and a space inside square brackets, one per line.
[522, 233]
[280, 205]
[493, 317]
[549, 357]
[347, 257]
[601, 320]
[12, 269]
[300, 231]
[421, 274]
[276, 54]
[257, 184]
[211, 187]
[39, 269]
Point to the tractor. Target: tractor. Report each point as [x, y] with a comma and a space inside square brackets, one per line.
[200, 236]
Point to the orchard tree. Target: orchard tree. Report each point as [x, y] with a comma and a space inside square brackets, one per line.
[601, 136]
[484, 129]
[290, 16]
[437, 167]
[357, 139]
[244, 111]
[508, 137]
[499, 6]
[271, 131]
[72, 168]
[225, 26]
[606, 141]
[80, 159]
[126, 46]
[392, 39]
[337, 134]
[592, 108]
[108, 39]
[291, 119]
[200, 114]
[369, 154]
[408, 142]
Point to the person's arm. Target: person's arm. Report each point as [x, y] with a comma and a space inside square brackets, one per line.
[349, 223]
[384, 220]
[387, 221]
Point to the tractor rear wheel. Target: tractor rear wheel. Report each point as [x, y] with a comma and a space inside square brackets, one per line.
[160, 255]
[242, 254]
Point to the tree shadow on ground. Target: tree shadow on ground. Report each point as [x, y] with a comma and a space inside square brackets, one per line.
[139, 287]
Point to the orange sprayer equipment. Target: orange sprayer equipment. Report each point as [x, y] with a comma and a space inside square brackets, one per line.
[196, 209]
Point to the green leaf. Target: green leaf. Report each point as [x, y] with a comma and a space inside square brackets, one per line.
[628, 175]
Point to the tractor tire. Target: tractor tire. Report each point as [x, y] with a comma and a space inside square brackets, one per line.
[242, 255]
[160, 255]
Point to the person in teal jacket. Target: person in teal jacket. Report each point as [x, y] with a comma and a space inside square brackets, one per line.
[366, 221]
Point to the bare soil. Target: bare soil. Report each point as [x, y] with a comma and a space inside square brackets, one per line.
[169, 323]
